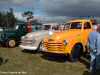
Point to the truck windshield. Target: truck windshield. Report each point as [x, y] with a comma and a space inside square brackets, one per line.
[75, 25]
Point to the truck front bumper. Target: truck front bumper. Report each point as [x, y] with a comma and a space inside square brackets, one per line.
[53, 51]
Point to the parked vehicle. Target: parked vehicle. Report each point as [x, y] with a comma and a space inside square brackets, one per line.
[33, 40]
[71, 42]
[10, 37]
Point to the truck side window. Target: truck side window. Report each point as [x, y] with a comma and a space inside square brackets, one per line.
[87, 25]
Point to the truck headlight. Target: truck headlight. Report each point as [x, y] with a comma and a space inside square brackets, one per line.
[50, 33]
[65, 42]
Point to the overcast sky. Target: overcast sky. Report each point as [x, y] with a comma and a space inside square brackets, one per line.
[54, 8]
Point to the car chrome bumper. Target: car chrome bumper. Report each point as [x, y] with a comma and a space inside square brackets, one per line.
[28, 47]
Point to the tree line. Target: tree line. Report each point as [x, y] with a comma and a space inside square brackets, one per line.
[7, 19]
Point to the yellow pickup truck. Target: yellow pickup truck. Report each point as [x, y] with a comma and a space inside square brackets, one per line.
[71, 42]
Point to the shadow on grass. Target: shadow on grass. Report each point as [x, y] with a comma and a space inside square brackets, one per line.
[86, 73]
[97, 72]
[86, 61]
[3, 61]
[54, 57]
[29, 51]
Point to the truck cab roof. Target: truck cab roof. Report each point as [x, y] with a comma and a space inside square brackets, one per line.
[80, 20]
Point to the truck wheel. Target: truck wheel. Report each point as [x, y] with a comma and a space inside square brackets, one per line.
[76, 53]
[11, 43]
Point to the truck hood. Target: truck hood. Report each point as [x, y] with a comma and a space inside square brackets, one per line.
[66, 35]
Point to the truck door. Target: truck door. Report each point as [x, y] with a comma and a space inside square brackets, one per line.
[86, 30]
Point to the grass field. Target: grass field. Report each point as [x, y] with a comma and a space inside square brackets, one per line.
[37, 64]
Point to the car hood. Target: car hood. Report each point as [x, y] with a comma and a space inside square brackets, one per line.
[38, 34]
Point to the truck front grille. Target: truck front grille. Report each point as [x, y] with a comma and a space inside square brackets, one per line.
[54, 46]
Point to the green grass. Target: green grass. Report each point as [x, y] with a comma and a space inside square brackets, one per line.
[36, 64]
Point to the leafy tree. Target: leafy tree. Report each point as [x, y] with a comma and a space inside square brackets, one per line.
[7, 19]
[28, 15]
[11, 20]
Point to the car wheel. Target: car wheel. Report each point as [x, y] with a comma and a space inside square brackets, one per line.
[11, 43]
[76, 53]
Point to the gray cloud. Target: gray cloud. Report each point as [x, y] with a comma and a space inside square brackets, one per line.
[18, 4]
[71, 7]
[57, 7]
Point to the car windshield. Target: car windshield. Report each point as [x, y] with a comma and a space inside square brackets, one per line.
[46, 27]
[63, 27]
[36, 27]
[9, 29]
[75, 25]
[13, 28]
[50, 27]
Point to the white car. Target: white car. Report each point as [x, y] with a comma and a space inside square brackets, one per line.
[33, 40]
